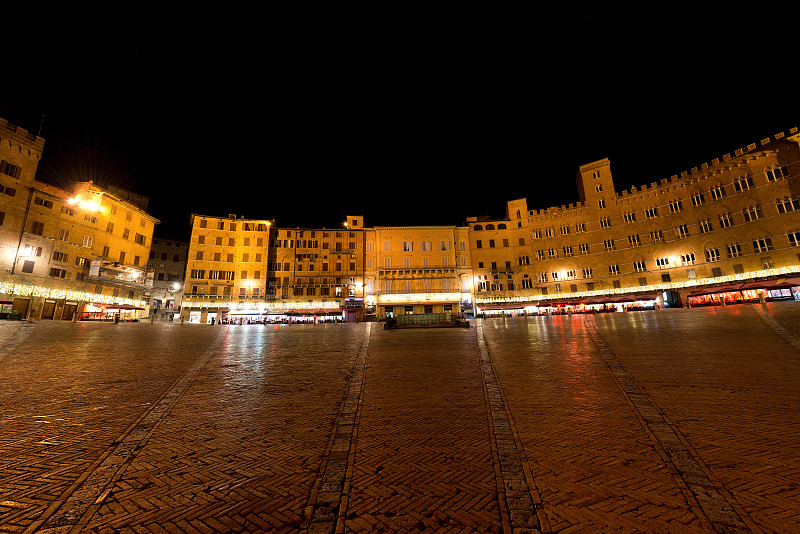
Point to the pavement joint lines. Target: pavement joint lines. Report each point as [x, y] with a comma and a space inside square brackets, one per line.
[76, 506]
[327, 505]
[673, 446]
[515, 486]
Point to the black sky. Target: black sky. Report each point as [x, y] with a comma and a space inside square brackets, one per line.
[407, 118]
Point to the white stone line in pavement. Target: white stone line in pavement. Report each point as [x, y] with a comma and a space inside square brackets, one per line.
[69, 510]
[15, 339]
[773, 323]
[513, 488]
[328, 501]
[718, 510]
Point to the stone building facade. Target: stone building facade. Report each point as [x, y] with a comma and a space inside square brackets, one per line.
[68, 253]
[167, 263]
[732, 222]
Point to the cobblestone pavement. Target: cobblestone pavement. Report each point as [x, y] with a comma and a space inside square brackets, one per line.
[669, 421]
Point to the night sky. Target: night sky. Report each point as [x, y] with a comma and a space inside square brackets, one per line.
[406, 118]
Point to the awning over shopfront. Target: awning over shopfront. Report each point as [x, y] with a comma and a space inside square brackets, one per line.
[3, 301]
[772, 283]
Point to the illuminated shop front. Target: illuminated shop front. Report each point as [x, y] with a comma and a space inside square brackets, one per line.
[393, 304]
[204, 312]
[96, 311]
[783, 288]
[620, 303]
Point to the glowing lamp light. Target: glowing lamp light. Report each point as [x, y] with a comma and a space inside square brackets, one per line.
[88, 205]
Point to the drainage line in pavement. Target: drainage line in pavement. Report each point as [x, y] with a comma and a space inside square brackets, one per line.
[79, 503]
[516, 490]
[327, 504]
[717, 509]
[773, 323]
[16, 339]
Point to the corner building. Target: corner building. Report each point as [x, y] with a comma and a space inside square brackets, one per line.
[78, 253]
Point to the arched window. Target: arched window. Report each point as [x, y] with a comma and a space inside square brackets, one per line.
[490, 227]
[501, 226]
[477, 227]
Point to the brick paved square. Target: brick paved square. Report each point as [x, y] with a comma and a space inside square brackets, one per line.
[657, 421]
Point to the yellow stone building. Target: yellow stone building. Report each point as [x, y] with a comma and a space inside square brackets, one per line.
[724, 231]
[724, 228]
[250, 270]
[418, 269]
[71, 253]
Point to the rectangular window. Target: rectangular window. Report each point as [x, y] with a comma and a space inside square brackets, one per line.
[639, 266]
[762, 245]
[613, 269]
[87, 241]
[777, 173]
[688, 259]
[705, 226]
[58, 273]
[712, 254]
[37, 228]
[633, 240]
[743, 184]
[734, 251]
[682, 231]
[752, 213]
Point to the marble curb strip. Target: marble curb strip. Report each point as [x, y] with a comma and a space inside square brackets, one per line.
[327, 504]
[74, 509]
[710, 497]
[520, 505]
